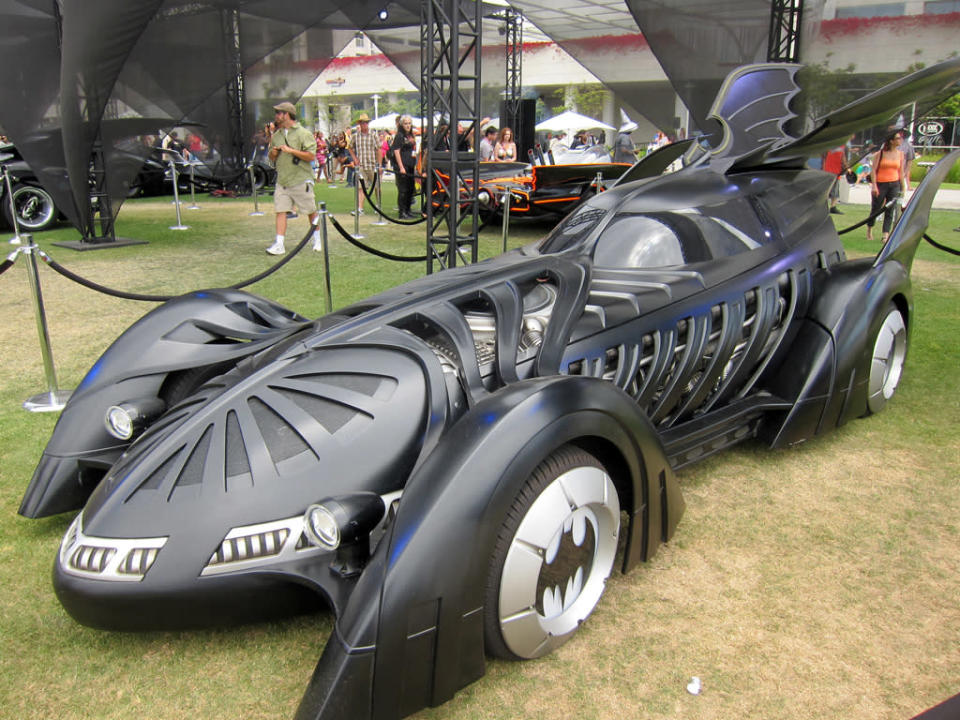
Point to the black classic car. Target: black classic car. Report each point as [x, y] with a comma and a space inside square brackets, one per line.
[35, 207]
[451, 464]
[545, 189]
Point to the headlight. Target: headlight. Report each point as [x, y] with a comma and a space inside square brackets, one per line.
[130, 418]
[344, 524]
[321, 527]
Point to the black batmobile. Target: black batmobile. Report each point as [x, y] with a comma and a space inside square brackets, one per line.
[450, 464]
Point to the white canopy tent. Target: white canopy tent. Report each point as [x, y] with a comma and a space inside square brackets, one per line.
[385, 122]
[570, 122]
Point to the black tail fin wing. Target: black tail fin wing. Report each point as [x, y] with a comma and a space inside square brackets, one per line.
[906, 236]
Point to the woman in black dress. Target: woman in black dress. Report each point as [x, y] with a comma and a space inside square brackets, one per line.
[403, 153]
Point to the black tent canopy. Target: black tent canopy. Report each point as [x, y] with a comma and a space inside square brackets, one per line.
[83, 71]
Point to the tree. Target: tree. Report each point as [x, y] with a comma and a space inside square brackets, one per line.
[584, 99]
[948, 108]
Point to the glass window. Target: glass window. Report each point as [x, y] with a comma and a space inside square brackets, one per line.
[576, 226]
[877, 10]
[638, 241]
[650, 240]
[941, 7]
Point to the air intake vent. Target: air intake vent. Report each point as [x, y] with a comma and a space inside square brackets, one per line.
[258, 545]
[249, 547]
[282, 439]
[111, 559]
[364, 384]
[271, 426]
[192, 473]
[90, 558]
[332, 416]
[138, 561]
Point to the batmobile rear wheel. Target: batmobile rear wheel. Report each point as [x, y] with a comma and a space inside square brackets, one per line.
[553, 555]
[886, 364]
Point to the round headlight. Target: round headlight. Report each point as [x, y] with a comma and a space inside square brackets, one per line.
[119, 423]
[130, 418]
[322, 528]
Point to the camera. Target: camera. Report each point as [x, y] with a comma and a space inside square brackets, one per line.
[296, 161]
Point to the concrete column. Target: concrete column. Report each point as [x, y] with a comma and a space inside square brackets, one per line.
[680, 111]
[609, 117]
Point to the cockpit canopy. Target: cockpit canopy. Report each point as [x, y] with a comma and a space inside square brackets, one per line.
[632, 235]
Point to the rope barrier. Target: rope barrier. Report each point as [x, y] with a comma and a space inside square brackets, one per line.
[485, 219]
[7, 264]
[90, 284]
[880, 212]
[373, 251]
[366, 194]
[867, 219]
[938, 246]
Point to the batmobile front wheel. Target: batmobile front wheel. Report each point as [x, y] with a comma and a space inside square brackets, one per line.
[553, 555]
[886, 364]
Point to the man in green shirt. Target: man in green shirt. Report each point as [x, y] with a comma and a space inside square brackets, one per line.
[292, 149]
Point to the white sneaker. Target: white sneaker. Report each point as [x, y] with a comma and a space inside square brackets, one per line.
[277, 248]
[354, 212]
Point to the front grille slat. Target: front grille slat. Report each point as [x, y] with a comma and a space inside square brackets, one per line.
[249, 547]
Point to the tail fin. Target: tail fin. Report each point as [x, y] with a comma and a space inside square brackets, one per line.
[905, 238]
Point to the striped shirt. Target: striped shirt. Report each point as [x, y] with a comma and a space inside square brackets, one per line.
[365, 148]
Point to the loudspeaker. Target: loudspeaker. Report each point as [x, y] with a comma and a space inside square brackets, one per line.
[521, 117]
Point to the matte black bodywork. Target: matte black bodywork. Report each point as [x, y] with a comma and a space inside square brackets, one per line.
[664, 320]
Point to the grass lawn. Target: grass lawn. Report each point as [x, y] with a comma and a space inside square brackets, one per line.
[816, 582]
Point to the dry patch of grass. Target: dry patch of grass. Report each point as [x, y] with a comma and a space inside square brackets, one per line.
[816, 582]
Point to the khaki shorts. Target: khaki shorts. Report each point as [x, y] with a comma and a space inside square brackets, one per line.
[284, 198]
[367, 174]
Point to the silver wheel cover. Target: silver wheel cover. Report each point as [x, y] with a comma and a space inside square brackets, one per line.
[578, 507]
[34, 207]
[886, 367]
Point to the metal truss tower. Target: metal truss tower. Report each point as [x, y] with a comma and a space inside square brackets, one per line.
[450, 85]
[784, 42]
[99, 227]
[236, 99]
[513, 24]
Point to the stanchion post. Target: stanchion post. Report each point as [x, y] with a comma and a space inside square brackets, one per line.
[257, 212]
[598, 182]
[193, 198]
[327, 295]
[16, 239]
[176, 197]
[331, 185]
[54, 399]
[505, 204]
[379, 196]
[356, 205]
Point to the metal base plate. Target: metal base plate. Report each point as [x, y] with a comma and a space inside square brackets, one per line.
[97, 244]
[52, 401]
